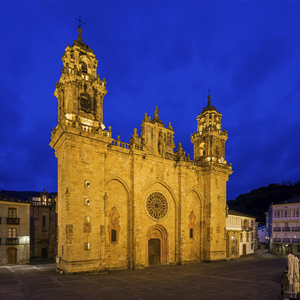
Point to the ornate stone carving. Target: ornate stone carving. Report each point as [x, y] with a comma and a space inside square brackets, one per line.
[87, 227]
[114, 225]
[157, 206]
[67, 194]
[69, 233]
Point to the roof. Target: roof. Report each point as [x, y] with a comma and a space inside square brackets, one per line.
[12, 199]
[237, 213]
[292, 200]
[24, 195]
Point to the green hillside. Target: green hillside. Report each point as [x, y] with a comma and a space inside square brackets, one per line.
[257, 202]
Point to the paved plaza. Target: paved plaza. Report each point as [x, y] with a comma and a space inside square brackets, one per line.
[256, 276]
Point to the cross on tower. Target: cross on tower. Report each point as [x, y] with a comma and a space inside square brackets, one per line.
[79, 20]
[209, 90]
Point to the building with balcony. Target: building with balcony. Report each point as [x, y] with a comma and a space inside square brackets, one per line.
[43, 222]
[283, 225]
[14, 230]
[241, 234]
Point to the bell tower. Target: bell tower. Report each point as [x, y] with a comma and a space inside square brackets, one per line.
[209, 141]
[80, 90]
[209, 154]
[80, 142]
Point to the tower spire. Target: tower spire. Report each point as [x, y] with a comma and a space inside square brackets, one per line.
[79, 29]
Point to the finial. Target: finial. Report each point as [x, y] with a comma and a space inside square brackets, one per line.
[79, 29]
[156, 111]
[209, 96]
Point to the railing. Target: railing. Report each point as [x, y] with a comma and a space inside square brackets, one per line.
[286, 240]
[286, 229]
[295, 240]
[120, 144]
[277, 240]
[13, 221]
[295, 228]
[12, 241]
[277, 228]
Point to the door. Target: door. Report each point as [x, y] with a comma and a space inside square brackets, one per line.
[154, 251]
[244, 249]
[11, 256]
[44, 253]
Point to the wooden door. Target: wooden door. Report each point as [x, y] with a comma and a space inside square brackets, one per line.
[154, 251]
[244, 249]
[11, 256]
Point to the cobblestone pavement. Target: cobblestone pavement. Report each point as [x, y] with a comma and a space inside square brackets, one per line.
[255, 276]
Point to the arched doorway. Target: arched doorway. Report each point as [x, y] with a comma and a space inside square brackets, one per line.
[234, 245]
[157, 246]
[244, 249]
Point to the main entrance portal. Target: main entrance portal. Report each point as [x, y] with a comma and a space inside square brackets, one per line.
[157, 246]
[154, 251]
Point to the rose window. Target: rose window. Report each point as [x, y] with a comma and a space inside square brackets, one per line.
[157, 206]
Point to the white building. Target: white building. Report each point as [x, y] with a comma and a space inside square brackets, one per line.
[241, 237]
[263, 235]
[14, 231]
[284, 223]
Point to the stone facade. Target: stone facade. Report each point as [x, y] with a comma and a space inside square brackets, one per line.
[14, 230]
[124, 205]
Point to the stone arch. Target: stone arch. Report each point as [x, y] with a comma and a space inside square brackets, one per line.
[147, 187]
[121, 181]
[117, 199]
[160, 233]
[232, 244]
[193, 222]
[170, 221]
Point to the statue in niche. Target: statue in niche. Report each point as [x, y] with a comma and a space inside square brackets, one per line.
[161, 145]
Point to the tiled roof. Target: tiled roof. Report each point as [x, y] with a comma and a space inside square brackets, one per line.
[292, 200]
[12, 199]
[237, 213]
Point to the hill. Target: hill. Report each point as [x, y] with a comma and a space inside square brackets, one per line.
[257, 202]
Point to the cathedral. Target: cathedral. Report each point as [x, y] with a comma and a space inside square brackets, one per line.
[130, 205]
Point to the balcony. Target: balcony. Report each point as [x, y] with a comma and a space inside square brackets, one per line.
[286, 240]
[13, 221]
[295, 240]
[286, 228]
[295, 228]
[277, 240]
[277, 228]
[12, 241]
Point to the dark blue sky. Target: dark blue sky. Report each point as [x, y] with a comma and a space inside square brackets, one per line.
[157, 53]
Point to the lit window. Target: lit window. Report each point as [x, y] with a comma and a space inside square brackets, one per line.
[12, 212]
[12, 233]
[86, 246]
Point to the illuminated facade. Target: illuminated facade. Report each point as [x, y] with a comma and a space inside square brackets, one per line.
[14, 231]
[128, 205]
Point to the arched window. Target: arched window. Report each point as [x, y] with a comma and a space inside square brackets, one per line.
[83, 67]
[113, 235]
[191, 233]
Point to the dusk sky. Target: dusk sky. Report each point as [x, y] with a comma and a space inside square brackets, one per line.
[157, 53]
